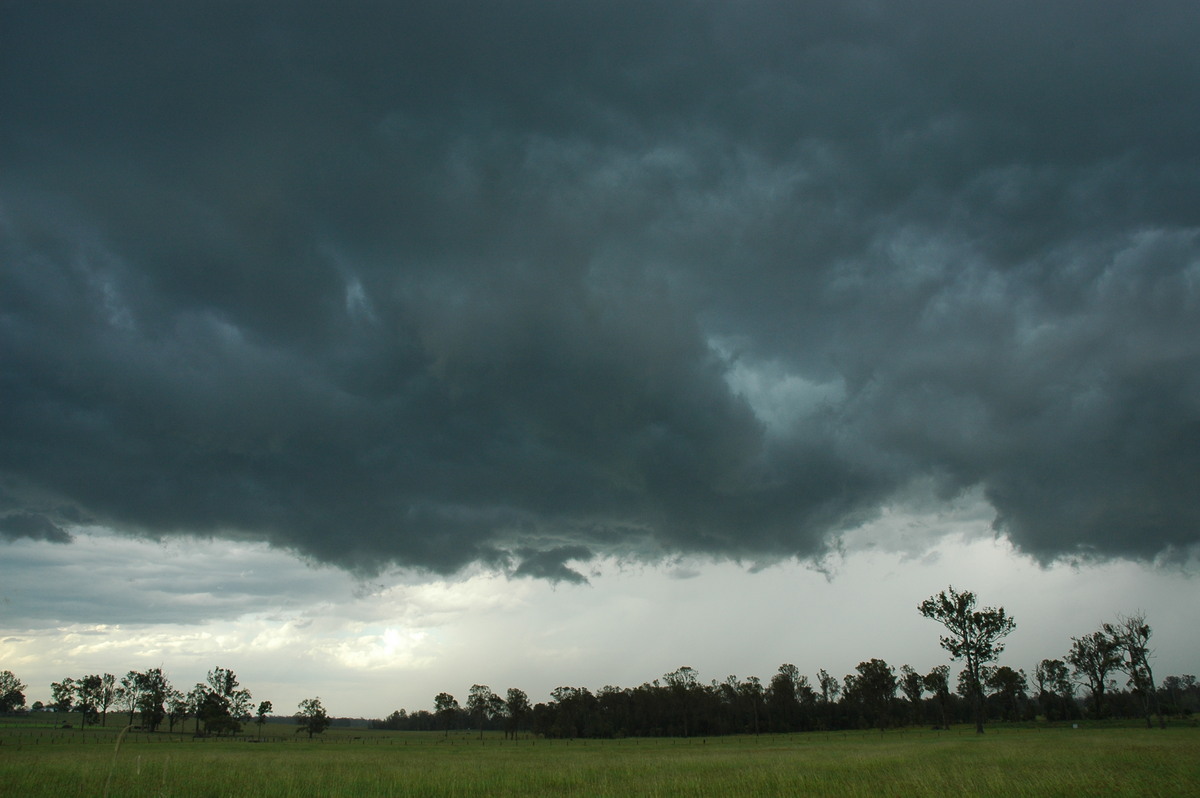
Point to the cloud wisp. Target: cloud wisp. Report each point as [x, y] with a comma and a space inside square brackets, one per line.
[529, 284]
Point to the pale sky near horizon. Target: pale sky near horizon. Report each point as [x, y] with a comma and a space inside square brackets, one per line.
[379, 351]
[292, 631]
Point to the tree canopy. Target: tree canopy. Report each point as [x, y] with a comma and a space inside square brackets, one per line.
[974, 636]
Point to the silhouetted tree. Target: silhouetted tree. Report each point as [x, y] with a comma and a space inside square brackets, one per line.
[108, 695]
[912, 684]
[12, 692]
[876, 689]
[264, 709]
[445, 707]
[516, 708]
[178, 708]
[220, 704]
[63, 694]
[828, 696]
[1131, 635]
[751, 690]
[974, 637]
[311, 717]
[480, 703]
[682, 685]
[129, 693]
[1009, 688]
[1093, 657]
[87, 697]
[1055, 691]
[937, 681]
[152, 696]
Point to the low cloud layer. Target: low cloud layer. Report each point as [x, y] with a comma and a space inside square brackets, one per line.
[531, 283]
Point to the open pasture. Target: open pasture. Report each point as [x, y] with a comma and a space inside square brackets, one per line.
[1005, 762]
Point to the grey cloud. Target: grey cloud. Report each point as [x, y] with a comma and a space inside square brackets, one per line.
[551, 564]
[33, 526]
[499, 282]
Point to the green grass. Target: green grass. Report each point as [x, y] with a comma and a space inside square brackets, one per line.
[1005, 762]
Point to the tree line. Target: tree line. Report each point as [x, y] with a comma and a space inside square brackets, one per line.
[875, 695]
[219, 705]
[1081, 684]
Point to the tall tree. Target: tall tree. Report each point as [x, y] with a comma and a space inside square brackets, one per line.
[912, 684]
[445, 707]
[108, 695]
[130, 692]
[682, 683]
[312, 717]
[88, 697]
[197, 699]
[1055, 691]
[1131, 635]
[516, 706]
[829, 694]
[222, 681]
[876, 689]
[1009, 688]
[479, 704]
[975, 636]
[63, 694]
[152, 697]
[752, 691]
[12, 692]
[178, 708]
[1093, 657]
[264, 709]
[223, 707]
[937, 681]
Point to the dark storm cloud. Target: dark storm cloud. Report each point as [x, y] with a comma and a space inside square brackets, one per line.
[551, 564]
[32, 526]
[520, 283]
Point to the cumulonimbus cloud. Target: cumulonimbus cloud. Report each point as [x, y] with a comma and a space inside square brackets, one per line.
[520, 283]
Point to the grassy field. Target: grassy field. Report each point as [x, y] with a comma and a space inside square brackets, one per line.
[1031, 761]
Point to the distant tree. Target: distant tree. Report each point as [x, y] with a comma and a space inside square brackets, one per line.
[1009, 687]
[751, 690]
[1131, 635]
[445, 707]
[912, 684]
[311, 717]
[876, 688]
[197, 698]
[108, 695]
[130, 693]
[241, 706]
[12, 692]
[479, 704]
[496, 707]
[516, 707]
[1183, 693]
[223, 708]
[1093, 657]
[1055, 691]
[829, 694]
[974, 637]
[937, 681]
[264, 709]
[152, 697]
[178, 708]
[88, 697]
[63, 694]
[681, 684]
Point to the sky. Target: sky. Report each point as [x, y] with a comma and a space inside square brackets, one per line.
[382, 350]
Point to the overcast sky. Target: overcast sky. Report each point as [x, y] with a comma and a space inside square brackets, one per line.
[378, 351]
